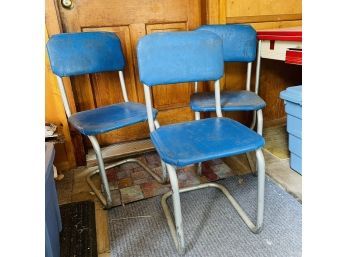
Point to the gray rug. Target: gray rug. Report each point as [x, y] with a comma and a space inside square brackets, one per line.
[211, 225]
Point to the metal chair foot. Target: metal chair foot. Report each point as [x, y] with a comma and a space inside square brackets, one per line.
[176, 224]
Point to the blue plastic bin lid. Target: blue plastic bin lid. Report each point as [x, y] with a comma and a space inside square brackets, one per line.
[292, 94]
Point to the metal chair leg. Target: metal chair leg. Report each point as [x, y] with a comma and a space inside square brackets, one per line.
[199, 169]
[107, 202]
[259, 129]
[177, 229]
[260, 189]
[199, 165]
[177, 233]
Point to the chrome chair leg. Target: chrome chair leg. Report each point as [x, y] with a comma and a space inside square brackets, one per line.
[108, 201]
[257, 115]
[198, 165]
[177, 229]
[199, 169]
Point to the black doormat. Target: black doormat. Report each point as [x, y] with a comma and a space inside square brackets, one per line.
[78, 236]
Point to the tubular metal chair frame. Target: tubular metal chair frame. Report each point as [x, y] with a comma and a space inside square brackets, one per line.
[107, 200]
[257, 115]
[176, 225]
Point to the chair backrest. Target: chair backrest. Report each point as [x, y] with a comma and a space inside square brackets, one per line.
[176, 57]
[239, 41]
[85, 52]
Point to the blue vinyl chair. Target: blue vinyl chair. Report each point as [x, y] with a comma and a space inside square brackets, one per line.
[239, 45]
[178, 57]
[74, 54]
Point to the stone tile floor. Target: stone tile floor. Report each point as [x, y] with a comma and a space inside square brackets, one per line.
[130, 182]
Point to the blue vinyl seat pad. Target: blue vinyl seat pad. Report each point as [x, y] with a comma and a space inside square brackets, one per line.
[187, 143]
[230, 101]
[108, 118]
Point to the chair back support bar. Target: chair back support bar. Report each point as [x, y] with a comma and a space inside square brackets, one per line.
[239, 41]
[176, 57]
[73, 54]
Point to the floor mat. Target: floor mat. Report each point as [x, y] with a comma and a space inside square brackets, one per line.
[129, 182]
[212, 228]
[78, 236]
[277, 141]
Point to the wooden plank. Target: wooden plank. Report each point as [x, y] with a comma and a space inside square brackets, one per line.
[239, 8]
[264, 18]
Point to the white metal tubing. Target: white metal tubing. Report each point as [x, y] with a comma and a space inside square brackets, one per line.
[217, 98]
[260, 201]
[259, 122]
[123, 86]
[64, 97]
[197, 116]
[157, 125]
[253, 122]
[180, 244]
[260, 189]
[199, 168]
[196, 87]
[149, 108]
[258, 65]
[102, 171]
[249, 68]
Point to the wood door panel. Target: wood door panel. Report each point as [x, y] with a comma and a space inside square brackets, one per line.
[83, 92]
[120, 12]
[124, 35]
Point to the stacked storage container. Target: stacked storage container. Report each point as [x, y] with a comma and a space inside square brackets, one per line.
[53, 224]
[293, 107]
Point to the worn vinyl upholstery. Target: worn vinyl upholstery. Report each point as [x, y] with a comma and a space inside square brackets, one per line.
[197, 141]
[174, 57]
[239, 41]
[73, 54]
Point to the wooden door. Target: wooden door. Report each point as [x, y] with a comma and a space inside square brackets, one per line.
[130, 20]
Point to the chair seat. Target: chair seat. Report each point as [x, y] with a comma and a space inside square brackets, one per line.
[196, 141]
[108, 118]
[230, 101]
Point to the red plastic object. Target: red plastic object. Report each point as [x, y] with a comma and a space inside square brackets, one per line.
[284, 34]
[294, 56]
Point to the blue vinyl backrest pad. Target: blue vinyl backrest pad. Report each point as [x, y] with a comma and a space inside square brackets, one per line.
[175, 57]
[85, 52]
[239, 41]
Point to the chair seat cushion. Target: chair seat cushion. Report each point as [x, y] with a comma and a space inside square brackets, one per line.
[108, 118]
[187, 143]
[230, 101]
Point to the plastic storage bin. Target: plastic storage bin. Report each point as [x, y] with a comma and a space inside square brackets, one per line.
[53, 224]
[293, 107]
